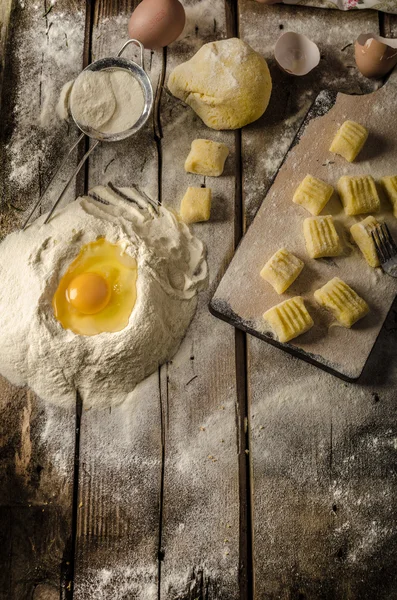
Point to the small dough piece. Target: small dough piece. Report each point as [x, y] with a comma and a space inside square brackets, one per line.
[342, 301]
[358, 195]
[206, 158]
[349, 140]
[282, 269]
[289, 319]
[361, 234]
[313, 194]
[196, 205]
[389, 184]
[226, 83]
[321, 237]
[92, 101]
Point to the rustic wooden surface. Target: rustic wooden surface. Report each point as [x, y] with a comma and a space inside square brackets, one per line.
[170, 496]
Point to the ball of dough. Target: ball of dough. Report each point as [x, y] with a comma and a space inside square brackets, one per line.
[226, 83]
[92, 101]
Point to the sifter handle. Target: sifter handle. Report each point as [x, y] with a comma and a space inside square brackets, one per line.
[141, 48]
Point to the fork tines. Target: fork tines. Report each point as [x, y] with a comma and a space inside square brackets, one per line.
[385, 245]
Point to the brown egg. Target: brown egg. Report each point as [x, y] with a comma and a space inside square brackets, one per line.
[375, 55]
[157, 23]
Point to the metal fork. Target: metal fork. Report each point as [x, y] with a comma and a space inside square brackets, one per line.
[386, 248]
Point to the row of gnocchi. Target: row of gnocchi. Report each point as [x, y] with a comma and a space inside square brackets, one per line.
[291, 317]
[358, 194]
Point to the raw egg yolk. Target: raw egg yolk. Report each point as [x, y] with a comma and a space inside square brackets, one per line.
[98, 291]
[89, 293]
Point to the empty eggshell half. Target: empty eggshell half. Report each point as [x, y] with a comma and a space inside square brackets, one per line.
[296, 54]
[375, 56]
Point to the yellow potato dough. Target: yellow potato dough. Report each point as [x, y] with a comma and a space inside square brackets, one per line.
[196, 205]
[358, 195]
[282, 269]
[289, 319]
[342, 301]
[226, 83]
[313, 194]
[349, 140]
[361, 234]
[389, 184]
[321, 237]
[206, 158]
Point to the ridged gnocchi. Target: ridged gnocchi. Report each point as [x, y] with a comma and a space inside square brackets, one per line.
[361, 234]
[321, 237]
[349, 140]
[313, 194]
[358, 195]
[389, 184]
[282, 269]
[289, 319]
[342, 301]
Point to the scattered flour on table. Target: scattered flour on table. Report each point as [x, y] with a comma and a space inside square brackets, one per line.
[53, 55]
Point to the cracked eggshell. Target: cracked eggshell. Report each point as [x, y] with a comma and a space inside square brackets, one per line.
[375, 56]
[296, 54]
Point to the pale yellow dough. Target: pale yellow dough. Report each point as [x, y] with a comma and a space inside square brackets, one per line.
[342, 301]
[349, 140]
[321, 237]
[226, 83]
[389, 184]
[282, 269]
[196, 205]
[289, 319]
[206, 158]
[358, 195]
[313, 194]
[361, 234]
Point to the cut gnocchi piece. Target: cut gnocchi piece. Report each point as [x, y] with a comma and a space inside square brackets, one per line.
[349, 140]
[389, 184]
[282, 269]
[196, 205]
[342, 301]
[361, 234]
[358, 195]
[289, 319]
[313, 194]
[321, 237]
[206, 158]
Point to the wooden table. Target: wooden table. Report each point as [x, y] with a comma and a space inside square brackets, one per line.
[235, 471]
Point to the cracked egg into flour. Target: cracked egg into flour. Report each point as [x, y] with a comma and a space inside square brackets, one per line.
[98, 298]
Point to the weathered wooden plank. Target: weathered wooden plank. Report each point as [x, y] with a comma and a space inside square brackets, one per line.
[36, 439]
[265, 142]
[120, 448]
[321, 450]
[200, 524]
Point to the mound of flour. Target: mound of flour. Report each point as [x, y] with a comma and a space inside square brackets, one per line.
[104, 368]
[109, 101]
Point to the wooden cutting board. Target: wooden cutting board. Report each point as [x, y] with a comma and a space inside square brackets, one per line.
[243, 296]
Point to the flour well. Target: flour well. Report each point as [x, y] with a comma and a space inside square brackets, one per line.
[110, 101]
[105, 368]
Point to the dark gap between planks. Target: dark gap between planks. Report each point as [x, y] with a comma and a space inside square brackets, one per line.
[242, 405]
[68, 563]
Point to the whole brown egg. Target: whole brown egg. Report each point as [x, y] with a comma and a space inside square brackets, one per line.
[157, 23]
